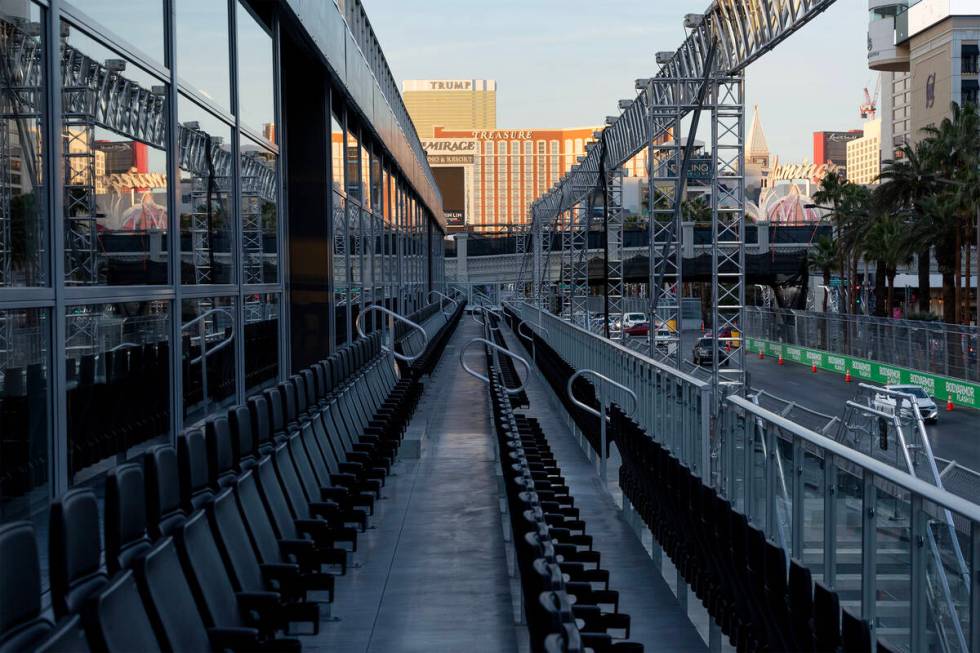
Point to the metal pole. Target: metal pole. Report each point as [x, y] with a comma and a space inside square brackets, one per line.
[603, 466]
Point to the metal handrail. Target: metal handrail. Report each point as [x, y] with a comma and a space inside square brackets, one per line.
[485, 310]
[927, 491]
[199, 320]
[443, 296]
[499, 349]
[125, 345]
[602, 377]
[393, 316]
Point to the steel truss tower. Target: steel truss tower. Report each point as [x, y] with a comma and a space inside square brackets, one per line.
[728, 231]
[613, 228]
[664, 163]
[579, 280]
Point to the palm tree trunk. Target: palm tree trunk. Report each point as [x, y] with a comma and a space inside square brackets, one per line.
[957, 276]
[891, 291]
[949, 296]
[925, 291]
[826, 285]
[881, 306]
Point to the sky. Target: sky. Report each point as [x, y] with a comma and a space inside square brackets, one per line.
[566, 63]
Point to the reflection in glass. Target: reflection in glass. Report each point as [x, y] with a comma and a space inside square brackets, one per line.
[259, 213]
[208, 356]
[203, 55]
[337, 151]
[115, 168]
[256, 86]
[24, 482]
[23, 215]
[261, 342]
[117, 383]
[120, 17]
[353, 167]
[340, 279]
[205, 203]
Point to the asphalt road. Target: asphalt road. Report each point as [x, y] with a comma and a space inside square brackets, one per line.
[956, 435]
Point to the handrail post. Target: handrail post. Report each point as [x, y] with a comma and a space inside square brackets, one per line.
[204, 365]
[603, 463]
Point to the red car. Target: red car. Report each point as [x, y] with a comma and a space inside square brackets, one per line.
[641, 329]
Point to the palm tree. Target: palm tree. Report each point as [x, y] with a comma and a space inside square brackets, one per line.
[824, 258]
[887, 242]
[905, 181]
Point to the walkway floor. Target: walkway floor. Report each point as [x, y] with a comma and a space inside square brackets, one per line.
[433, 574]
[658, 622]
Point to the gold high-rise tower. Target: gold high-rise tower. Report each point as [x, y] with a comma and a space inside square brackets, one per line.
[450, 103]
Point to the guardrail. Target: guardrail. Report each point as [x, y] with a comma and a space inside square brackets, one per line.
[865, 529]
[674, 407]
[497, 349]
[603, 412]
[392, 316]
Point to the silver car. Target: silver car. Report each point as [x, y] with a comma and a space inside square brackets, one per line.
[927, 405]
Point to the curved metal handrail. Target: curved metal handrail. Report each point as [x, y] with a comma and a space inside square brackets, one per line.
[485, 309]
[606, 379]
[472, 372]
[443, 296]
[206, 353]
[523, 324]
[396, 316]
[124, 345]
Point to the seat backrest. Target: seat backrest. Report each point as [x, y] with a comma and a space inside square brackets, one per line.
[242, 438]
[21, 623]
[257, 519]
[258, 407]
[119, 623]
[277, 420]
[855, 633]
[800, 590]
[75, 551]
[775, 570]
[125, 517]
[826, 617]
[290, 405]
[192, 463]
[206, 574]
[162, 481]
[298, 384]
[234, 543]
[291, 484]
[309, 385]
[275, 499]
[221, 454]
[68, 636]
[170, 603]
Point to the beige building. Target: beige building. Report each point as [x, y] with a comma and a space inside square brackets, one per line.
[450, 103]
[864, 155]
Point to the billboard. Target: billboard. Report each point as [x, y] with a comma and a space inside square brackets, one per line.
[451, 181]
[932, 89]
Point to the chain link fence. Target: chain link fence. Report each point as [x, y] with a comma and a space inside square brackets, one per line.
[934, 347]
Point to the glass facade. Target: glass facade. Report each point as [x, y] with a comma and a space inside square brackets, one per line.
[144, 250]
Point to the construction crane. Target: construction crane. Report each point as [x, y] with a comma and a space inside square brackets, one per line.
[869, 108]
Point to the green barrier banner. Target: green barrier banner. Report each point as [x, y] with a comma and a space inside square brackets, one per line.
[963, 393]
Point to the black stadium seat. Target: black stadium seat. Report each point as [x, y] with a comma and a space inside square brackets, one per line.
[75, 554]
[126, 538]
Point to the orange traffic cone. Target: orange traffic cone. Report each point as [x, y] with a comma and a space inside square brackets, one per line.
[813, 368]
[949, 403]
[780, 359]
[847, 376]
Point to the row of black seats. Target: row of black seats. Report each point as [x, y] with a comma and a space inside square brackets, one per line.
[508, 370]
[227, 540]
[567, 601]
[439, 326]
[761, 600]
[556, 372]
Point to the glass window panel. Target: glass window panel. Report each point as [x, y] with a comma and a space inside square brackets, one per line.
[337, 151]
[256, 81]
[207, 356]
[341, 283]
[115, 180]
[202, 48]
[24, 441]
[23, 214]
[120, 17]
[259, 211]
[117, 384]
[353, 177]
[365, 177]
[205, 202]
[261, 342]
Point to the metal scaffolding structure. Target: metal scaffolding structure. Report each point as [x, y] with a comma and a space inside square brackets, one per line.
[720, 44]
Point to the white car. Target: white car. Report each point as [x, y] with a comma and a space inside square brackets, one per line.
[927, 405]
[632, 319]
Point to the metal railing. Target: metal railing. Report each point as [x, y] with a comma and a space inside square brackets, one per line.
[603, 412]
[442, 297]
[202, 336]
[497, 350]
[392, 316]
[674, 407]
[934, 347]
[877, 535]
